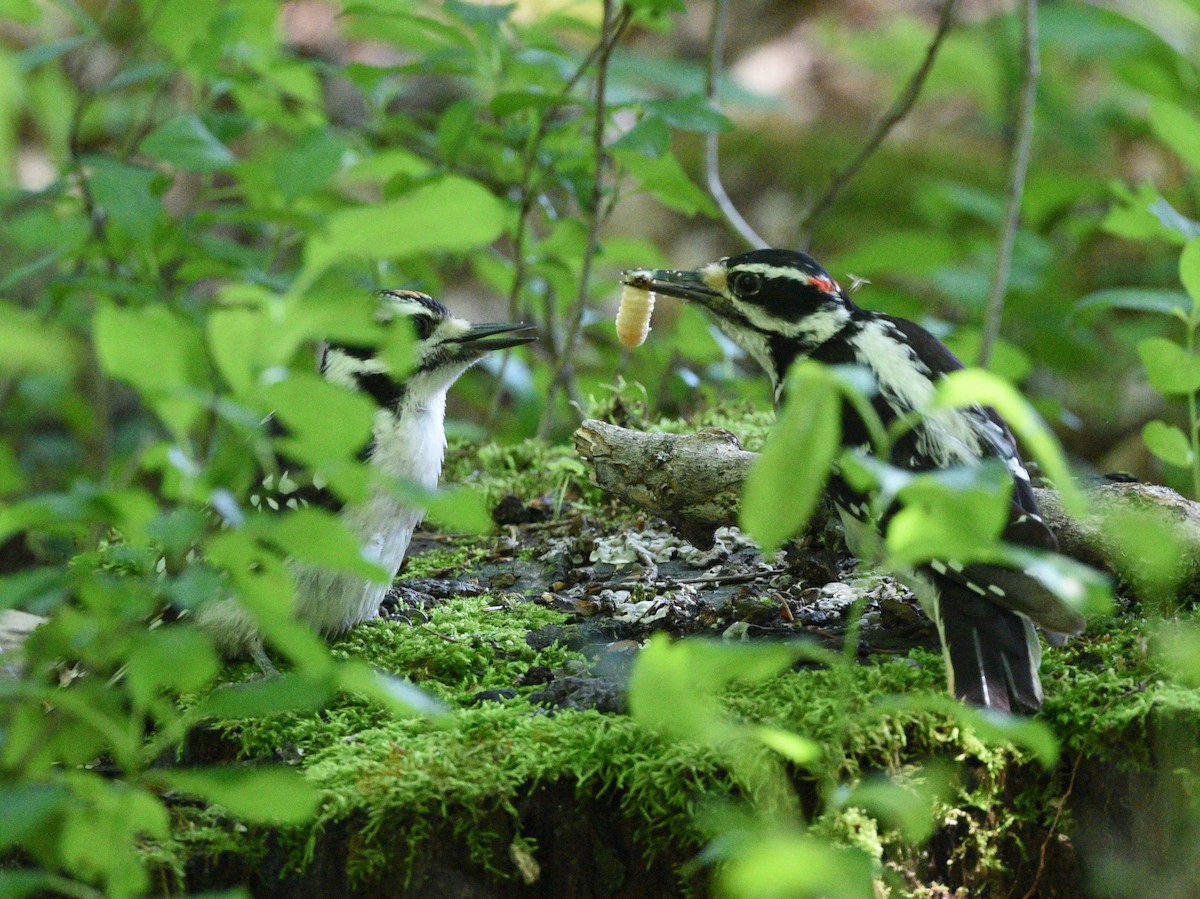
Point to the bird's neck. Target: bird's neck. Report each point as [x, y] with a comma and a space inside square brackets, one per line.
[410, 441]
[813, 338]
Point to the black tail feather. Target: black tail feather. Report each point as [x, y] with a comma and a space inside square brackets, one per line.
[992, 655]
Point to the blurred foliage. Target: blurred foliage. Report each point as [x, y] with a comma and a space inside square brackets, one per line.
[192, 194]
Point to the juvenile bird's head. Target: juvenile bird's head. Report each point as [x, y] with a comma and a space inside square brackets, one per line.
[775, 304]
[446, 346]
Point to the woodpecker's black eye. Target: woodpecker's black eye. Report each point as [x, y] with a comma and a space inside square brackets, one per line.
[423, 325]
[745, 284]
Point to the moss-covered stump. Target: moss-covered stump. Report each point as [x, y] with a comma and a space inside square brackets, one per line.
[539, 785]
[503, 799]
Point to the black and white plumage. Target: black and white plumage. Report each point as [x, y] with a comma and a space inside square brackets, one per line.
[780, 306]
[408, 443]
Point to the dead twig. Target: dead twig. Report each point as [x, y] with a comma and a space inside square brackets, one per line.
[900, 108]
[712, 164]
[1017, 171]
[725, 580]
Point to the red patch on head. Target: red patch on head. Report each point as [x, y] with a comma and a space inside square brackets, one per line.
[826, 285]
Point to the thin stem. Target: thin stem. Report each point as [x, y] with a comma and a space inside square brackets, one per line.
[531, 175]
[712, 164]
[900, 108]
[1193, 421]
[613, 28]
[1018, 169]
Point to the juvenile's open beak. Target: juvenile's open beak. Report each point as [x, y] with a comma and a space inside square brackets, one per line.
[496, 336]
[694, 286]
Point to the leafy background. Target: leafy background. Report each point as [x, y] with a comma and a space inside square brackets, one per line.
[194, 192]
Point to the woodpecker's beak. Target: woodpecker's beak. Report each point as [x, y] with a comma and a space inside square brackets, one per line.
[694, 286]
[486, 337]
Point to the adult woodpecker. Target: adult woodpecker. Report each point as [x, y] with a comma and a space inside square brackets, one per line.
[408, 443]
[780, 306]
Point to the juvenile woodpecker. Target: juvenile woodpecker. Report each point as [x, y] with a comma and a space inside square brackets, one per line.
[408, 443]
[780, 306]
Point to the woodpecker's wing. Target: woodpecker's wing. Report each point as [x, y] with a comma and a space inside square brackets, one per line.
[1007, 588]
[1025, 524]
[287, 485]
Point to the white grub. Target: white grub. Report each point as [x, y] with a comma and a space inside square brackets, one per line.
[633, 316]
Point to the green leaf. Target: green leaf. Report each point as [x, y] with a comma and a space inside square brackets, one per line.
[452, 214]
[795, 865]
[397, 695]
[1144, 214]
[454, 129]
[267, 795]
[159, 354]
[28, 344]
[673, 684]
[666, 180]
[1031, 734]
[186, 143]
[787, 479]
[1167, 442]
[319, 537]
[899, 253]
[973, 386]
[692, 113]
[1178, 129]
[1189, 270]
[1171, 369]
[28, 808]
[308, 166]
[909, 808]
[1177, 651]
[795, 748]
[123, 192]
[1151, 554]
[649, 137]
[290, 691]
[957, 514]
[308, 405]
[1133, 299]
[462, 509]
[505, 103]
[177, 658]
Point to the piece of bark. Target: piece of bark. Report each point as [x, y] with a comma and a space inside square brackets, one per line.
[693, 482]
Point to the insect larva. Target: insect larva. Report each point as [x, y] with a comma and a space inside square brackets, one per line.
[633, 317]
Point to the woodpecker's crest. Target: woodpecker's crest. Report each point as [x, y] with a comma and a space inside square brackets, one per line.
[446, 346]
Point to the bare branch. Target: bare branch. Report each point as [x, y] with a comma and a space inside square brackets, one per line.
[900, 108]
[1017, 170]
[712, 164]
[614, 27]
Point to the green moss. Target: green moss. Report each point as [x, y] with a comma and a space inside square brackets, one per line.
[437, 562]
[417, 777]
[470, 771]
[531, 469]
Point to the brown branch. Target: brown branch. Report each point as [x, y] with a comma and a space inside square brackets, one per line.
[1018, 169]
[614, 27]
[694, 483]
[712, 163]
[900, 108]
